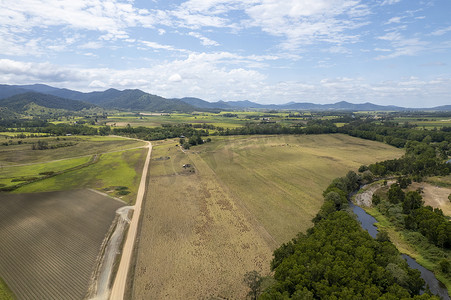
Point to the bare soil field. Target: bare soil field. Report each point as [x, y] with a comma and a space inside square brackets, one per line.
[205, 225]
[435, 196]
[50, 241]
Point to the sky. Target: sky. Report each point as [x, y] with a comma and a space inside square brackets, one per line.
[388, 52]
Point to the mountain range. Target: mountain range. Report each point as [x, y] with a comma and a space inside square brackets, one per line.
[15, 97]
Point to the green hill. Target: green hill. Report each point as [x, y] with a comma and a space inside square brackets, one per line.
[21, 103]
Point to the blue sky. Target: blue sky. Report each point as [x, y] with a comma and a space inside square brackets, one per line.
[389, 52]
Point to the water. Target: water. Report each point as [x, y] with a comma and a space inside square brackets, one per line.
[435, 286]
[367, 221]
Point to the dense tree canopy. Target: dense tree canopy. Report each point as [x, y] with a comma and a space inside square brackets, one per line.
[339, 260]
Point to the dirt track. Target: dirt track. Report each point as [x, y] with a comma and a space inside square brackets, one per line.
[120, 281]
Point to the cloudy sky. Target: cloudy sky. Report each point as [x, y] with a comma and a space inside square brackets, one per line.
[268, 51]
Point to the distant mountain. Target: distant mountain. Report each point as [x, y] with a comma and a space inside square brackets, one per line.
[21, 102]
[201, 103]
[442, 108]
[111, 98]
[137, 100]
[7, 91]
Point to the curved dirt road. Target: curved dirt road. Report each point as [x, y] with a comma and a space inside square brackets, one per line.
[118, 290]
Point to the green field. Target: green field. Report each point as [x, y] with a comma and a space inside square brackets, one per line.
[223, 119]
[10, 175]
[5, 292]
[113, 170]
[102, 163]
[83, 145]
[426, 122]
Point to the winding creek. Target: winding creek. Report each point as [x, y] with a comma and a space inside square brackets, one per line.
[367, 221]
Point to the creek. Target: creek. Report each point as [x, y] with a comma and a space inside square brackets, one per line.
[435, 286]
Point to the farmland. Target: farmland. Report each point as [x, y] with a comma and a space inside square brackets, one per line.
[81, 165]
[50, 241]
[204, 226]
[82, 145]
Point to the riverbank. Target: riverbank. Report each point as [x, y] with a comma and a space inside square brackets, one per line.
[407, 242]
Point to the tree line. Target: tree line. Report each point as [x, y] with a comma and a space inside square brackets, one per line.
[337, 259]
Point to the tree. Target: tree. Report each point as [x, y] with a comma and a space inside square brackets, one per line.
[254, 281]
[445, 266]
[395, 194]
[413, 200]
[382, 236]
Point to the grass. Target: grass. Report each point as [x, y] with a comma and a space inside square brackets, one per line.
[413, 244]
[112, 170]
[9, 173]
[218, 120]
[5, 292]
[204, 227]
[14, 134]
[280, 179]
[85, 145]
[195, 241]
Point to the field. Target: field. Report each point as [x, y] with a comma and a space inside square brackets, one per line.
[436, 196]
[116, 171]
[83, 145]
[204, 226]
[50, 241]
[224, 119]
[426, 122]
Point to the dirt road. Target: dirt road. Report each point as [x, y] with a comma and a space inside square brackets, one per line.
[118, 289]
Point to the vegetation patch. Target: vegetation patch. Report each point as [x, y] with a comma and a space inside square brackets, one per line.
[5, 292]
[111, 170]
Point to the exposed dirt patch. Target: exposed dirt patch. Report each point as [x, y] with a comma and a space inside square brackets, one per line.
[434, 196]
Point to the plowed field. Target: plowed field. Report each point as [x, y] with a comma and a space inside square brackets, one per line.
[50, 241]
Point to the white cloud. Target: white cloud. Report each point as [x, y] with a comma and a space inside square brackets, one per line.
[402, 46]
[394, 20]
[204, 40]
[91, 45]
[441, 31]
[390, 2]
[306, 22]
[158, 46]
[175, 78]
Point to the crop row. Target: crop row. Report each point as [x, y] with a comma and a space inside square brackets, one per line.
[50, 243]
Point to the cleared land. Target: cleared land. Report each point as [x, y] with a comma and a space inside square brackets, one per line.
[435, 196]
[50, 241]
[117, 171]
[205, 226]
[112, 170]
[83, 145]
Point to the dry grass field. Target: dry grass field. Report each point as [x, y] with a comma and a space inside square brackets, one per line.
[50, 241]
[205, 226]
